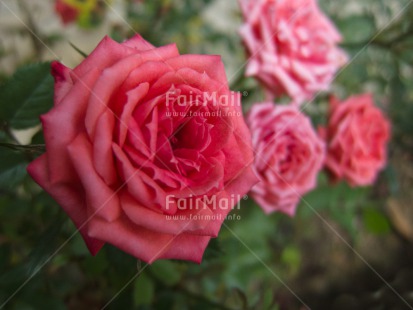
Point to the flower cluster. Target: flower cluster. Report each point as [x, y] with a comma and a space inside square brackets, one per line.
[292, 49]
[148, 150]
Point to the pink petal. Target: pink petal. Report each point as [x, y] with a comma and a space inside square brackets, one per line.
[138, 43]
[102, 148]
[142, 187]
[68, 197]
[211, 64]
[104, 55]
[162, 223]
[62, 81]
[140, 242]
[134, 97]
[187, 247]
[102, 201]
[68, 114]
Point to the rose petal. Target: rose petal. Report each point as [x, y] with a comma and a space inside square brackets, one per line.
[134, 96]
[101, 200]
[68, 115]
[135, 240]
[138, 43]
[143, 188]
[102, 148]
[104, 55]
[162, 223]
[211, 64]
[62, 81]
[70, 198]
[188, 247]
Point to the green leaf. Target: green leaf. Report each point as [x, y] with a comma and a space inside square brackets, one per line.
[45, 247]
[166, 272]
[143, 291]
[38, 257]
[26, 95]
[12, 169]
[375, 221]
[82, 53]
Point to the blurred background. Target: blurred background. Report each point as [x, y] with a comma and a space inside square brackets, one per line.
[346, 248]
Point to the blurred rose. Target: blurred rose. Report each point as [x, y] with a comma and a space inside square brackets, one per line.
[66, 12]
[87, 13]
[288, 156]
[357, 135]
[292, 46]
[138, 134]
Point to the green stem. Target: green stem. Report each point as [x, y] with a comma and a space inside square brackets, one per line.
[32, 149]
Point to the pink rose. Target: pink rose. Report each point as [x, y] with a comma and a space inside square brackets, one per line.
[138, 135]
[357, 135]
[288, 156]
[292, 46]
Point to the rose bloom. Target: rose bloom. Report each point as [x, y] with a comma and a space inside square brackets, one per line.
[288, 156]
[122, 153]
[357, 135]
[292, 47]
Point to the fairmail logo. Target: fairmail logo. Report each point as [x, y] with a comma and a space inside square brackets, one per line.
[212, 202]
[174, 97]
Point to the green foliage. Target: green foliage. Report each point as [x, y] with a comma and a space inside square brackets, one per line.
[356, 28]
[12, 169]
[26, 95]
[166, 272]
[376, 222]
[144, 290]
[339, 201]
